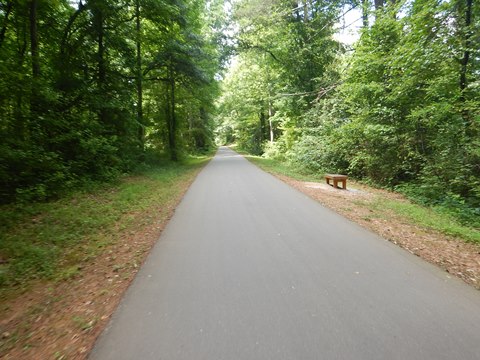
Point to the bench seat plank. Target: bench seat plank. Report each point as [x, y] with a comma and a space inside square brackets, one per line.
[337, 178]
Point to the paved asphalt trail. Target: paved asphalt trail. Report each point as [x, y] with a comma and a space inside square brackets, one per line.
[251, 269]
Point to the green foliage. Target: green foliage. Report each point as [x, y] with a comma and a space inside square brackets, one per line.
[282, 55]
[415, 125]
[75, 78]
[50, 240]
[401, 111]
[441, 219]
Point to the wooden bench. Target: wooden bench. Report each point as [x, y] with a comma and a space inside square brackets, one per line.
[337, 179]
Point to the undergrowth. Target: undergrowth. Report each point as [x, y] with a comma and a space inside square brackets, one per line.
[50, 240]
[439, 218]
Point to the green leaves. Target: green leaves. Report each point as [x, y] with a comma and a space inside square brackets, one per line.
[97, 65]
[284, 50]
[402, 109]
[407, 120]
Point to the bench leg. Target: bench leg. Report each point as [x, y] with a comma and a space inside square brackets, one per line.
[336, 181]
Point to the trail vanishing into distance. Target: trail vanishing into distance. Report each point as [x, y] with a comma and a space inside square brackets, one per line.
[109, 107]
[249, 268]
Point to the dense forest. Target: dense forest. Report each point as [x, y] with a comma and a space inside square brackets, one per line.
[91, 89]
[399, 108]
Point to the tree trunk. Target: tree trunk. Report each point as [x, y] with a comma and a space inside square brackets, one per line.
[466, 53]
[35, 60]
[200, 140]
[379, 4]
[98, 19]
[66, 51]
[394, 12]
[172, 120]
[365, 8]
[8, 10]
[19, 126]
[379, 8]
[305, 10]
[68, 28]
[263, 126]
[139, 77]
[296, 5]
[270, 114]
[34, 39]
[471, 130]
[100, 49]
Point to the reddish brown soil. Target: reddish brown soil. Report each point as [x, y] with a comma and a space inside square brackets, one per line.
[454, 255]
[61, 320]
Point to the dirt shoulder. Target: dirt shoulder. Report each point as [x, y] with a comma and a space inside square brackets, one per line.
[454, 255]
[62, 319]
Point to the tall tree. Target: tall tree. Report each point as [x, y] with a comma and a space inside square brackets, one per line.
[466, 35]
[292, 44]
[74, 82]
[7, 10]
[139, 73]
[34, 39]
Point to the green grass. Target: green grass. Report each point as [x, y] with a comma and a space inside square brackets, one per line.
[286, 169]
[426, 217]
[51, 240]
[429, 218]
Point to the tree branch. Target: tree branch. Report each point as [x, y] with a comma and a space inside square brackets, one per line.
[246, 46]
[70, 23]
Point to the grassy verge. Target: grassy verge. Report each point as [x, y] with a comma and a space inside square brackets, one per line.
[422, 216]
[278, 167]
[52, 240]
[428, 218]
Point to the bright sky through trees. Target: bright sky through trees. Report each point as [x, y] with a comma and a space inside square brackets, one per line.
[348, 27]
[400, 108]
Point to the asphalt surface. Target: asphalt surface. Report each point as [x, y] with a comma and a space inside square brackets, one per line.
[249, 268]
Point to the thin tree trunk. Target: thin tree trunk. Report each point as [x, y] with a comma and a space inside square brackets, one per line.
[378, 8]
[68, 28]
[466, 53]
[139, 77]
[296, 5]
[365, 8]
[35, 60]
[34, 39]
[101, 50]
[394, 12]
[305, 10]
[101, 66]
[270, 105]
[379, 4]
[172, 123]
[270, 114]
[19, 125]
[200, 140]
[470, 130]
[263, 126]
[5, 22]
[65, 51]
